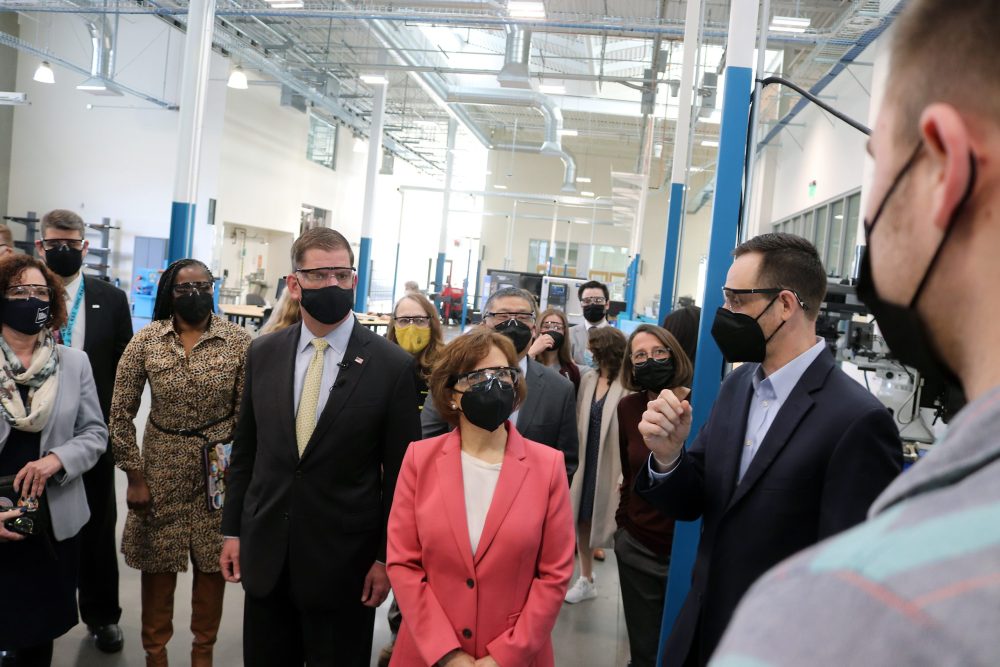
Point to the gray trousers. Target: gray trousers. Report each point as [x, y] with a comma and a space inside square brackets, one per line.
[643, 578]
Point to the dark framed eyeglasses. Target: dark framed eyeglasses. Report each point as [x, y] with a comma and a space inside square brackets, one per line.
[593, 301]
[552, 326]
[733, 297]
[201, 287]
[657, 354]
[479, 378]
[523, 318]
[327, 275]
[42, 292]
[59, 244]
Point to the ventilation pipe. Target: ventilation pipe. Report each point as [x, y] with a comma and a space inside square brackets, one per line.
[569, 162]
[515, 64]
[102, 62]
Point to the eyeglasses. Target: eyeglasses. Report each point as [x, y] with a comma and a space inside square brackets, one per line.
[733, 298]
[552, 326]
[422, 322]
[41, 292]
[522, 317]
[479, 378]
[658, 354]
[328, 275]
[57, 244]
[184, 289]
[594, 301]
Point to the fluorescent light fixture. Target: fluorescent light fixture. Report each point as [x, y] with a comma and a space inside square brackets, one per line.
[293, 4]
[786, 28]
[565, 132]
[44, 74]
[525, 9]
[587, 193]
[838, 217]
[792, 21]
[375, 79]
[500, 187]
[552, 89]
[583, 179]
[696, 170]
[98, 85]
[237, 79]
[710, 143]
[489, 173]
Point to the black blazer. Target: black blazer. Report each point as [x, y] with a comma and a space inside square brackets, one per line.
[831, 449]
[327, 511]
[107, 330]
[548, 415]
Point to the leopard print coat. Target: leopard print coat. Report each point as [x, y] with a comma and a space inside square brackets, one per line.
[186, 393]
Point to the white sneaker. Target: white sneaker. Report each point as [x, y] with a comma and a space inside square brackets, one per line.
[583, 589]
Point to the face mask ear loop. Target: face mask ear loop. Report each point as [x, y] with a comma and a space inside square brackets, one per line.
[966, 196]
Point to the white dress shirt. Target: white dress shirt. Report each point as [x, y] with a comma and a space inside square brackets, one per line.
[523, 365]
[333, 355]
[769, 394]
[79, 327]
[480, 481]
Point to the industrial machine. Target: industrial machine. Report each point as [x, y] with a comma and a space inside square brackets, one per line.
[563, 293]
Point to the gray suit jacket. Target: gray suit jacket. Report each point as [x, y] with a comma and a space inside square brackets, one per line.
[76, 434]
[548, 415]
[578, 335]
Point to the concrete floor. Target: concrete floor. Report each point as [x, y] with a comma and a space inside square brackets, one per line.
[589, 634]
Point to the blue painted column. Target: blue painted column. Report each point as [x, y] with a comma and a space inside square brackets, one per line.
[682, 149]
[194, 88]
[371, 186]
[722, 239]
[449, 171]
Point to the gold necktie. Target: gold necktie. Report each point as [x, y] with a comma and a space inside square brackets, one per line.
[305, 420]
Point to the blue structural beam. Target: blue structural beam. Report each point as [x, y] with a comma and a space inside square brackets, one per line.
[439, 273]
[631, 281]
[722, 239]
[181, 241]
[672, 248]
[364, 275]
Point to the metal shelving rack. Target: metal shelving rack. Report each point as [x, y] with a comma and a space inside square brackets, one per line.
[30, 223]
[102, 252]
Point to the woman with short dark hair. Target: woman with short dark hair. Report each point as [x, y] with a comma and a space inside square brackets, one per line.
[51, 432]
[480, 538]
[194, 362]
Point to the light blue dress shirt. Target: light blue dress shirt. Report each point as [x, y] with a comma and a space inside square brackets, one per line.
[769, 394]
[333, 355]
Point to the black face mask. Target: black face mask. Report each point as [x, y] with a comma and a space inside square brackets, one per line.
[328, 305]
[903, 329]
[518, 332]
[194, 308]
[489, 405]
[655, 376]
[64, 261]
[593, 313]
[26, 315]
[557, 339]
[739, 336]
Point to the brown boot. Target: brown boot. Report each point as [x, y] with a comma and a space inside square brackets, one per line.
[157, 615]
[206, 614]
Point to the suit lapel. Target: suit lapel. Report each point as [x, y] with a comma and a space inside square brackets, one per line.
[512, 475]
[452, 489]
[732, 439]
[535, 380]
[90, 323]
[347, 381]
[284, 383]
[794, 410]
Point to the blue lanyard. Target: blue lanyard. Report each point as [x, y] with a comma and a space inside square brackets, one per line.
[67, 331]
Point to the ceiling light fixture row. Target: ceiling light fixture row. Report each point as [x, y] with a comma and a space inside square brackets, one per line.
[792, 24]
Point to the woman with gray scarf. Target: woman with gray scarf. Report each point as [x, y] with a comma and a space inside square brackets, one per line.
[51, 432]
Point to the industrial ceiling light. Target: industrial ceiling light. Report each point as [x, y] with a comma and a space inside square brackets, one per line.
[98, 85]
[710, 143]
[583, 179]
[551, 89]
[375, 79]
[789, 24]
[44, 73]
[500, 187]
[566, 132]
[285, 4]
[237, 79]
[587, 193]
[525, 9]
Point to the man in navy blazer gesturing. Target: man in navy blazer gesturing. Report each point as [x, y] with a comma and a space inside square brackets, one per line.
[793, 451]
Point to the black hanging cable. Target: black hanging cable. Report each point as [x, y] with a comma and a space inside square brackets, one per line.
[864, 129]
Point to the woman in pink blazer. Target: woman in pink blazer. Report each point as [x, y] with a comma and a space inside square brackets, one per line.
[480, 544]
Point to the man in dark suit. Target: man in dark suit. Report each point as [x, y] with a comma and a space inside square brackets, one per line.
[100, 323]
[326, 416]
[548, 414]
[793, 451]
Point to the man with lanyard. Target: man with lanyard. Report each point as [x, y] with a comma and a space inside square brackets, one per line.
[100, 324]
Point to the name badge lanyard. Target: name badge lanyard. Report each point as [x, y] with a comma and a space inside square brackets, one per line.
[66, 333]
